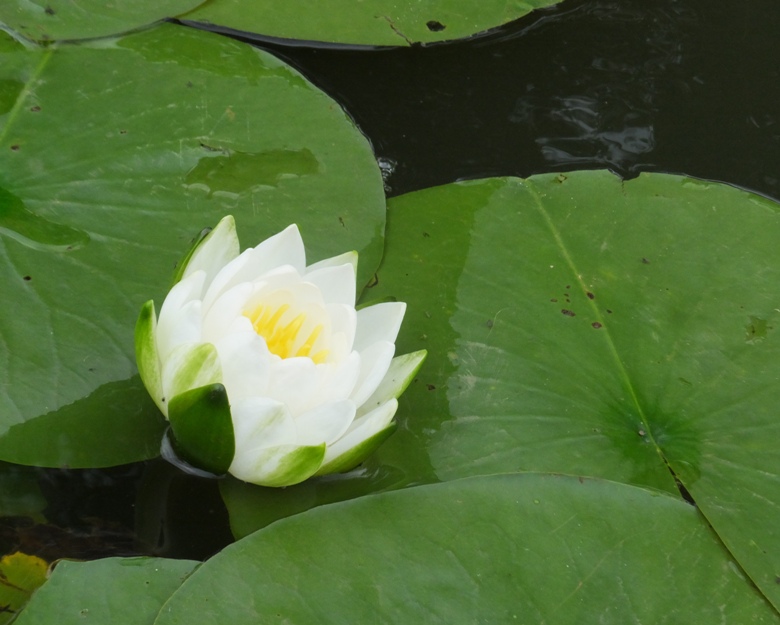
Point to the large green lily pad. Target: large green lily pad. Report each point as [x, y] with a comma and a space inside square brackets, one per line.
[47, 20]
[130, 591]
[113, 156]
[372, 22]
[581, 324]
[522, 549]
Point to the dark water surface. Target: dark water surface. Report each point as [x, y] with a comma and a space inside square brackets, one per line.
[682, 86]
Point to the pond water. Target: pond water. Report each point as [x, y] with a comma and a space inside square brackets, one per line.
[681, 86]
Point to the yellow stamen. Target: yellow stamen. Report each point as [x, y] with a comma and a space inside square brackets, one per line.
[305, 349]
[281, 339]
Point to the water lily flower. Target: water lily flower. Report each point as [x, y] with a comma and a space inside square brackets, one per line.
[263, 365]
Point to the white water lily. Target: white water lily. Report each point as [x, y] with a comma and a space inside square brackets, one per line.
[312, 383]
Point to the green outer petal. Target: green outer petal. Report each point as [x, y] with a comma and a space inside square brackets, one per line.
[295, 466]
[357, 454]
[182, 265]
[400, 374]
[200, 366]
[202, 428]
[146, 355]
[212, 251]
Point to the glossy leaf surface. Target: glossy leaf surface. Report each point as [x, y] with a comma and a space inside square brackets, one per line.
[158, 135]
[580, 324]
[373, 23]
[130, 591]
[498, 549]
[48, 20]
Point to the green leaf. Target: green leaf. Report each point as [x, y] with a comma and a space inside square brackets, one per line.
[376, 23]
[581, 324]
[203, 428]
[117, 423]
[495, 549]
[159, 135]
[47, 20]
[129, 591]
[20, 575]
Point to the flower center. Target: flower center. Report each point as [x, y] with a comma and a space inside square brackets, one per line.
[284, 338]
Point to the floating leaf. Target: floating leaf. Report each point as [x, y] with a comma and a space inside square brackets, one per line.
[20, 575]
[577, 323]
[496, 549]
[376, 23]
[158, 135]
[129, 591]
[46, 20]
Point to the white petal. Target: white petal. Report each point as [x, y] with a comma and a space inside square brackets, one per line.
[326, 423]
[362, 429]
[379, 322]
[283, 249]
[338, 380]
[215, 251]
[225, 279]
[283, 465]
[180, 316]
[400, 374]
[343, 324]
[335, 261]
[337, 284]
[246, 364]
[261, 422]
[225, 311]
[375, 361]
[294, 382]
[190, 366]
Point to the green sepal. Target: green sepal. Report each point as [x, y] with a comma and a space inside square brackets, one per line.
[357, 454]
[146, 355]
[202, 428]
[181, 266]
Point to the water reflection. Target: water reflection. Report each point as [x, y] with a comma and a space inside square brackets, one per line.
[681, 86]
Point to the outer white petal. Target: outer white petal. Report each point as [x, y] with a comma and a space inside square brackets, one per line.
[261, 422]
[189, 366]
[246, 363]
[285, 248]
[326, 423]
[335, 261]
[337, 284]
[180, 316]
[361, 430]
[215, 251]
[284, 465]
[375, 361]
[379, 322]
[400, 374]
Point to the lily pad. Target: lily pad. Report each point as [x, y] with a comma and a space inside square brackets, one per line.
[130, 591]
[20, 575]
[582, 324]
[47, 20]
[496, 549]
[372, 23]
[113, 157]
